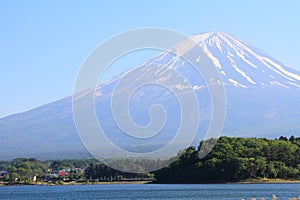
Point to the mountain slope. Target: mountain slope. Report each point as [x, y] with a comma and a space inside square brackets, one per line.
[262, 100]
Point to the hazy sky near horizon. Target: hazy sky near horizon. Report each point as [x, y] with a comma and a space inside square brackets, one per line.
[43, 43]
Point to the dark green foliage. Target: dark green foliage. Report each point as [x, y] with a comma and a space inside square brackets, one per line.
[69, 164]
[103, 172]
[236, 159]
[23, 169]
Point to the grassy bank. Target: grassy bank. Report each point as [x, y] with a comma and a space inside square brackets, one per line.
[279, 181]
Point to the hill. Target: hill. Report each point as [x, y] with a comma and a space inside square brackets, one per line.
[236, 159]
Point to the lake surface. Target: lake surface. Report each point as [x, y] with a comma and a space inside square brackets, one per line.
[152, 191]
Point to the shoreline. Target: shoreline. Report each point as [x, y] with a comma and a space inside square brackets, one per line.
[40, 183]
[271, 181]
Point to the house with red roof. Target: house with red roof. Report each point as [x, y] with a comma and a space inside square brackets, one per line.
[62, 173]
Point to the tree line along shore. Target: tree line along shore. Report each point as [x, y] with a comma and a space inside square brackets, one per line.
[248, 160]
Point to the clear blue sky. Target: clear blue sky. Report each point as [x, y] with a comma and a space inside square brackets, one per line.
[43, 43]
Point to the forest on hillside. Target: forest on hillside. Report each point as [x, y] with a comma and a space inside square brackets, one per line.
[236, 159]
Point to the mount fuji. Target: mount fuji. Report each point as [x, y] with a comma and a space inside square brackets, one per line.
[262, 100]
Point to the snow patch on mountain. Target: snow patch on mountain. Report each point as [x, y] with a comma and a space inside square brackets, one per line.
[212, 57]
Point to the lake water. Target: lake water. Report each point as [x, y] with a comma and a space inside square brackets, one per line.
[152, 191]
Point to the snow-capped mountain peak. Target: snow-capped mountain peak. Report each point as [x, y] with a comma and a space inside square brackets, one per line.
[243, 65]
